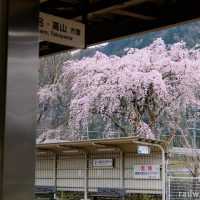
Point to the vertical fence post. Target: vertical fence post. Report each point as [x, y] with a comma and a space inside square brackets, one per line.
[55, 173]
[194, 137]
[121, 168]
[169, 185]
[86, 176]
[62, 195]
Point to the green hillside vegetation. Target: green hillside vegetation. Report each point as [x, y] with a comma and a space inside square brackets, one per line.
[188, 33]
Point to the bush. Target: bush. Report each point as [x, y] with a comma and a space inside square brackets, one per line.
[71, 195]
[80, 195]
[142, 197]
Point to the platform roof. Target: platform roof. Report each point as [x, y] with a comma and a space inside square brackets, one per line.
[91, 146]
[107, 20]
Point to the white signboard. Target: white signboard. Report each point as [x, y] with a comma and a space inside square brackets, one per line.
[143, 150]
[81, 173]
[61, 31]
[146, 171]
[103, 163]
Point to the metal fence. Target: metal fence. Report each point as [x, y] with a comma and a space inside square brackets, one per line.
[183, 188]
[180, 141]
[81, 135]
[190, 141]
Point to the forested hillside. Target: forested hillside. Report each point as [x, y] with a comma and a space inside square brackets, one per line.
[189, 33]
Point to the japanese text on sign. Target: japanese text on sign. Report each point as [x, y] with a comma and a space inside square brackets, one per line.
[103, 163]
[61, 31]
[146, 171]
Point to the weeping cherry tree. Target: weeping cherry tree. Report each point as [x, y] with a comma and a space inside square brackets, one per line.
[131, 93]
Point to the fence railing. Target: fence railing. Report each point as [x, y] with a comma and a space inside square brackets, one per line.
[183, 188]
[180, 141]
[82, 135]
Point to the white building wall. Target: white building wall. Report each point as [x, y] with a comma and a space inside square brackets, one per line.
[134, 185]
[101, 176]
[45, 165]
[68, 172]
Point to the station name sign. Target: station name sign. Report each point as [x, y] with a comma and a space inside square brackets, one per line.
[61, 31]
[146, 171]
[103, 163]
[143, 150]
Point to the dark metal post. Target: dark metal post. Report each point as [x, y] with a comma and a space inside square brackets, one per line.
[85, 19]
[18, 82]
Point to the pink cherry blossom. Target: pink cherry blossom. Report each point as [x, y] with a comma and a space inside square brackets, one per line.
[132, 92]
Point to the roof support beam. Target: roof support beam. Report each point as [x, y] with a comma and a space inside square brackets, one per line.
[112, 8]
[134, 15]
